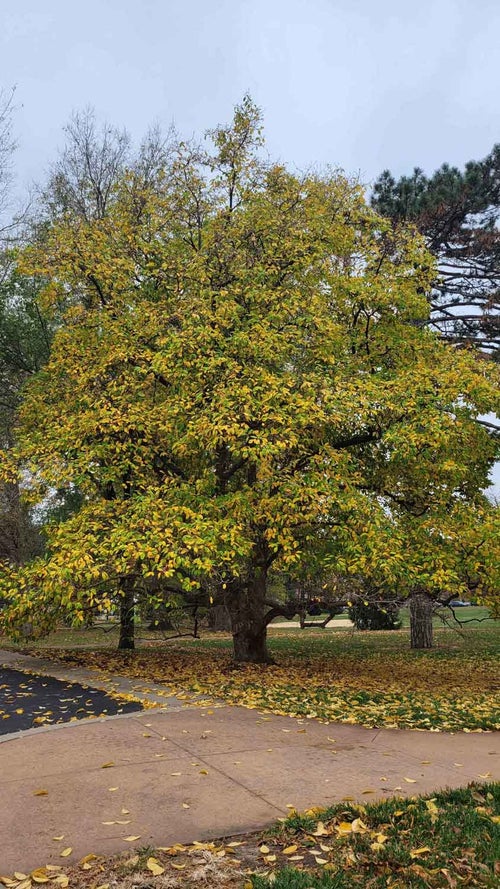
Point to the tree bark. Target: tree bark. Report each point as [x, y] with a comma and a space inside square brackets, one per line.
[127, 610]
[246, 606]
[421, 631]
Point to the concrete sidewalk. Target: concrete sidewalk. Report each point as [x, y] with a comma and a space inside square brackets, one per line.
[199, 773]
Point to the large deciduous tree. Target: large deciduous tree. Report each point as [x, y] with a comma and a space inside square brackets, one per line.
[239, 353]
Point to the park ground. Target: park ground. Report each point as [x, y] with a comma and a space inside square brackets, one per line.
[334, 675]
[449, 838]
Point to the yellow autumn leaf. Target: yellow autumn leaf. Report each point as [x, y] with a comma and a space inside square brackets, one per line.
[416, 853]
[290, 850]
[155, 867]
[320, 831]
[66, 852]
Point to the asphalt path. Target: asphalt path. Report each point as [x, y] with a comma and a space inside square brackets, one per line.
[29, 701]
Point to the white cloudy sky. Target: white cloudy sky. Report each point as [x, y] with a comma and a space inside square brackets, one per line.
[358, 83]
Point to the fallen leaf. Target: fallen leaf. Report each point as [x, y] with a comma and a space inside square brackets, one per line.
[155, 867]
[320, 831]
[264, 849]
[290, 850]
[410, 780]
[131, 839]
[131, 862]
[66, 852]
[40, 792]
[61, 837]
[107, 765]
[416, 853]
[185, 806]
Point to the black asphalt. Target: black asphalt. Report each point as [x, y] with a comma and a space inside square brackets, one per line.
[28, 701]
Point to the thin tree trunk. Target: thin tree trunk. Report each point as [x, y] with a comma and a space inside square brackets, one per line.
[421, 631]
[127, 610]
[246, 606]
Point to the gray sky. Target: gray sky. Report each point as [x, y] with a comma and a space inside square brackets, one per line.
[363, 84]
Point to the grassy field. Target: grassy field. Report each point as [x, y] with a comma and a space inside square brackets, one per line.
[373, 679]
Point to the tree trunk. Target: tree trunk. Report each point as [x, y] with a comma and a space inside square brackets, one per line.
[420, 621]
[127, 609]
[246, 606]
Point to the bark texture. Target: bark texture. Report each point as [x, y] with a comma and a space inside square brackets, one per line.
[421, 632]
[246, 606]
[127, 613]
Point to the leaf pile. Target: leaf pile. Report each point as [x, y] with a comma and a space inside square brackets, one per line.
[365, 680]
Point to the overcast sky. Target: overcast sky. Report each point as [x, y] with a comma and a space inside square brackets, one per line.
[363, 84]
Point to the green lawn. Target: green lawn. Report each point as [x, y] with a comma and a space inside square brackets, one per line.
[449, 840]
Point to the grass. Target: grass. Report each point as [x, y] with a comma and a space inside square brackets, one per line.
[449, 840]
[373, 679]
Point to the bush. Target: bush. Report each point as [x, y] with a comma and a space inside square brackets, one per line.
[368, 616]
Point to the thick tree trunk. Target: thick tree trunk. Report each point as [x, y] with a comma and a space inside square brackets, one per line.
[127, 609]
[420, 620]
[246, 606]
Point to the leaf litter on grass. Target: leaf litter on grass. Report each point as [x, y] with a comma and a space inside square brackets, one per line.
[365, 682]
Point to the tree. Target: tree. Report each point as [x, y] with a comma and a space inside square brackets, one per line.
[240, 350]
[457, 211]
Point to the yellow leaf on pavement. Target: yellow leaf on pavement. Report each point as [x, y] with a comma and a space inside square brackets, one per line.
[66, 852]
